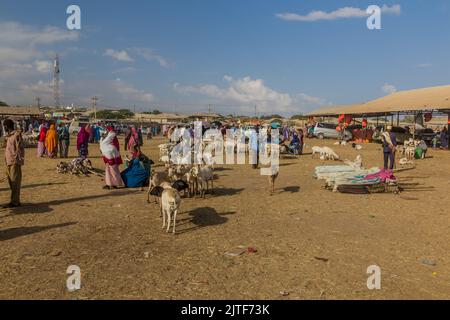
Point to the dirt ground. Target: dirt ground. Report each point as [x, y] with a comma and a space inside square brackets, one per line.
[311, 243]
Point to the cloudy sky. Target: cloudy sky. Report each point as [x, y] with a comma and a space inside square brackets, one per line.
[283, 56]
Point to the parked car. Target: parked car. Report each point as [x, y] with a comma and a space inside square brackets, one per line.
[426, 135]
[324, 130]
[404, 134]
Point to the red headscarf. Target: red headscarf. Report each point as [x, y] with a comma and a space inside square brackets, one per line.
[42, 134]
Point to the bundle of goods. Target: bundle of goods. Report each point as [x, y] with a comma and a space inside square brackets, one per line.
[347, 179]
[77, 166]
[30, 140]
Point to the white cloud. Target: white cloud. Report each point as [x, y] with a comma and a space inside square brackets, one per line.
[19, 34]
[25, 56]
[120, 55]
[249, 92]
[388, 88]
[149, 55]
[128, 92]
[424, 65]
[341, 13]
[43, 66]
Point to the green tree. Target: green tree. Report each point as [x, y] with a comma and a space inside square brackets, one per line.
[3, 104]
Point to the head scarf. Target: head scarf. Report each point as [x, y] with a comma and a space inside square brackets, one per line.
[42, 134]
[115, 141]
[51, 139]
[110, 150]
[134, 138]
[82, 138]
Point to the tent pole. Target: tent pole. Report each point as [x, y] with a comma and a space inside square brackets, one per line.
[414, 128]
[448, 127]
[398, 119]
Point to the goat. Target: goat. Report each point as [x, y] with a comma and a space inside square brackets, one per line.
[170, 201]
[272, 177]
[330, 154]
[318, 150]
[155, 180]
[204, 175]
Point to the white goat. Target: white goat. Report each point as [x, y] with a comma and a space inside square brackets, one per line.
[318, 150]
[330, 154]
[170, 203]
[204, 175]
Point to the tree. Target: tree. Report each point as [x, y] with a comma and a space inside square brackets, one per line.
[113, 114]
[156, 111]
[3, 104]
[298, 117]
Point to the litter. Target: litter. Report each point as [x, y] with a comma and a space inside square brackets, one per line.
[321, 259]
[236, 252]
[429, 262]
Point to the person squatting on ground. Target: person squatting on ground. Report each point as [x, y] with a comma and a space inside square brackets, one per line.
[15, 159]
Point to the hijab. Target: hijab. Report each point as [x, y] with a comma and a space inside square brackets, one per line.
[51, 139]
[83, 137]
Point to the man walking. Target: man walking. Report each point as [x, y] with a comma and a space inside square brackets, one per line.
[389, 148]
[14, 158]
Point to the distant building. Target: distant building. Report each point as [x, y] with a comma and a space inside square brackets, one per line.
[207, 117]
[162, 118]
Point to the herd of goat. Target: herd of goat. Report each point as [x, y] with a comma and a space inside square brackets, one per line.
[181, 177]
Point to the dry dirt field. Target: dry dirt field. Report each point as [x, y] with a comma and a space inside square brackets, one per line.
[115, 237]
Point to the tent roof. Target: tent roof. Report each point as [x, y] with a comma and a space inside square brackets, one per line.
[20, 111]
[433, 98]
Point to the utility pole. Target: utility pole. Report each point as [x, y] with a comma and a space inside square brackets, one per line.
[209, 109]
[94, 106]
[256, 115]
[38, 102]
[56, 72]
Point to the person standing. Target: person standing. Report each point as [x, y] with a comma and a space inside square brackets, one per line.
[51, 142]
[389, 144]
[444, 138]
[133, 146]
[83, 143]
[109, 146]
[64, 140]
[127, 136]
[41, 142]
[15, 159]
[301, 137]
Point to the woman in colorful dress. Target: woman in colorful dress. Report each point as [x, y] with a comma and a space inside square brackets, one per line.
[51, 142]
[83, 143]
[41, 142]
[109, 146]
[133, 144]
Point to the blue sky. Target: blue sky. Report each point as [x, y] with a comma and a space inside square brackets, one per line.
[233, 54]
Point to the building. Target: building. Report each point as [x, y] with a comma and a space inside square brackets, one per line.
[162, 118]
